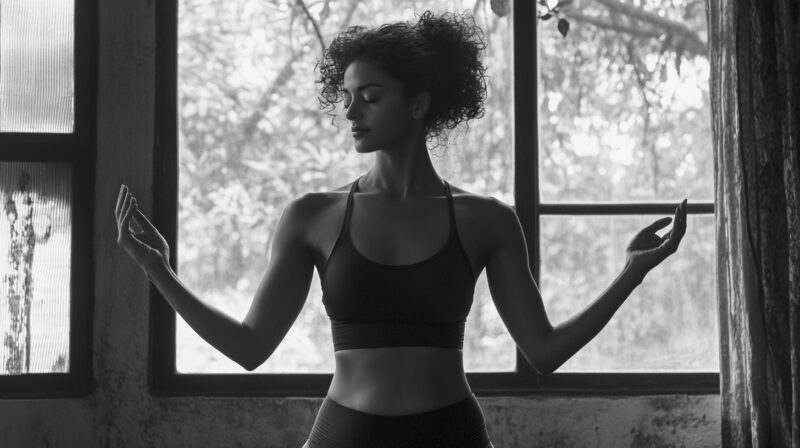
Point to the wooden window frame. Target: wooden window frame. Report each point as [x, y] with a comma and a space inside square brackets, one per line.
[79, 150]
[166, 381]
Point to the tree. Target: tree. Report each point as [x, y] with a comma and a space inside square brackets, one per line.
[19, 281]
[252, 137]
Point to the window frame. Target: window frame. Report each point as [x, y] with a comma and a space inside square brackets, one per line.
[79, 149]
[166, 381]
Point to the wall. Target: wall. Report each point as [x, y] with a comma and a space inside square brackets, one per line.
[123, 414]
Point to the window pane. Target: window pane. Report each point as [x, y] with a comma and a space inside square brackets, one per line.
[488, 347]
[35, 245]
[621, 116]
[253, 138]
[36, 66]
[668, 324]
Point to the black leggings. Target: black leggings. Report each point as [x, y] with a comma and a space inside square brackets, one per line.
[460, 424]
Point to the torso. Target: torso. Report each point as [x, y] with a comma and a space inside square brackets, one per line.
[399, 380]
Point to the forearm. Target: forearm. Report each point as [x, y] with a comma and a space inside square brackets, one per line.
[226, 334]
[571, 335]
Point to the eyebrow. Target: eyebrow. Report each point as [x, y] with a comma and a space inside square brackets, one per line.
[362, 87]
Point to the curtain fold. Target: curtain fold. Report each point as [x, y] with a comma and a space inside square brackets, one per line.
[754, 53]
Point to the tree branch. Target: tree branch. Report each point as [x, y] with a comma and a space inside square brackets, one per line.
[285, 74]
[687, 39]
[314, 23]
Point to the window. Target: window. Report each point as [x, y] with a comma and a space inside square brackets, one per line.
[615, 154]
[250, 138]
[46, 160]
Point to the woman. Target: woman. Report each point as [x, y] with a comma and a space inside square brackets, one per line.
[398, 251]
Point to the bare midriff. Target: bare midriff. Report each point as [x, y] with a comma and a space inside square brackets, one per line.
[398, 380]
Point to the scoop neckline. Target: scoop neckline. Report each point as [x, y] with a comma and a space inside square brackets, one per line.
[401, 266]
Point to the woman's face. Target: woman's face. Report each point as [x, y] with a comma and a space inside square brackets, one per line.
[379, 115]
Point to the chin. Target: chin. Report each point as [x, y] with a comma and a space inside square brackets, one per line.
[362, 147]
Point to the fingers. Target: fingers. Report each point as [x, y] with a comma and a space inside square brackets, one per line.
[659, 224]
[120, 200]
[142, 219]
[126, 200]
[679, 229]
[120, 197]
[123, 198]
[125, 208]
[680, 216]
[130, 207]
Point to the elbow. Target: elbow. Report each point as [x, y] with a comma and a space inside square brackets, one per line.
[255, 360]
[542, 365]
[541, 361]
[252, 364]
[249, 366]
[250, 358]
[544, 368]
[540, 358]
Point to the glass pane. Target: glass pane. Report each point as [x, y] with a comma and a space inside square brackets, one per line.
[668, 324]
[488, 347]
[36, 66]
[624, 110]
[35, 245]
[253, 138]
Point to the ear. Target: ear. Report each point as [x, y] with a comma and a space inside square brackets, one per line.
[420, 105]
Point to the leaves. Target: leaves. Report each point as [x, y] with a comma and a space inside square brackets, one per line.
[232, 196]
[563, 27]
[563, 24]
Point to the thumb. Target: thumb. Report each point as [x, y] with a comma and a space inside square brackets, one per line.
[659, 224]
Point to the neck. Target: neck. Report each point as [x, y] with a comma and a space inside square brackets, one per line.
[403, 171]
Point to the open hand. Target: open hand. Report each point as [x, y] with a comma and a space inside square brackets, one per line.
[647, 250]
[143, 243]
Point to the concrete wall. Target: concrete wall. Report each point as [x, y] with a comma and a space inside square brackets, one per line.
[123, 414]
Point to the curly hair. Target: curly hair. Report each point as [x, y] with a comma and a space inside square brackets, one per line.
[439, 55]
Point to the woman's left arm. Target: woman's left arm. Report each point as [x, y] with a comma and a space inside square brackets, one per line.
[520, 305]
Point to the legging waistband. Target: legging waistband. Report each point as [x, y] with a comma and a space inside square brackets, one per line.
[460, 424]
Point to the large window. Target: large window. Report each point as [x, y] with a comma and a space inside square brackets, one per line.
[46, 162]
[622, 137]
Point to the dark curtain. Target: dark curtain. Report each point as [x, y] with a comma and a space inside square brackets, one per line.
[754, 49]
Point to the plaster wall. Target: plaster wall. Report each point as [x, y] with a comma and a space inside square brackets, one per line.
[122, 413]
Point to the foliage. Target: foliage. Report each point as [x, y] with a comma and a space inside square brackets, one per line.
[19, 281]
[616, 123]
[563, 24]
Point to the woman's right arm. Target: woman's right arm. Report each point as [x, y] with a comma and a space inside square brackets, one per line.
[278, 301]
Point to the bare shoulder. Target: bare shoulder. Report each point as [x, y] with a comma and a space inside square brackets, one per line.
[488, 215]
[471, 199]
[313, 213]
[313, 203]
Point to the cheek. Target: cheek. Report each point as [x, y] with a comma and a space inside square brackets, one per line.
[392, 119]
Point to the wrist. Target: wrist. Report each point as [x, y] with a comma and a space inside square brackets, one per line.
[637, 275]
[156, 266]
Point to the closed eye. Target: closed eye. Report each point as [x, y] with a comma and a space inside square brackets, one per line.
[366, 101]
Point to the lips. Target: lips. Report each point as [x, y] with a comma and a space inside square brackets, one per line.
[359, 132]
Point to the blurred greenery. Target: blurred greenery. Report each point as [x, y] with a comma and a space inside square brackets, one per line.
[624, 115]
[35, 233]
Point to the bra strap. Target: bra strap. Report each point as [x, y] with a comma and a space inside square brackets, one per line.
[450, 208]
[349, 208]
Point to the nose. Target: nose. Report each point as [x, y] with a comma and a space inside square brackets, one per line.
[352, 111]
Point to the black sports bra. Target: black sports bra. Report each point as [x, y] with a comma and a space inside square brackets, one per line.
[372, 304]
